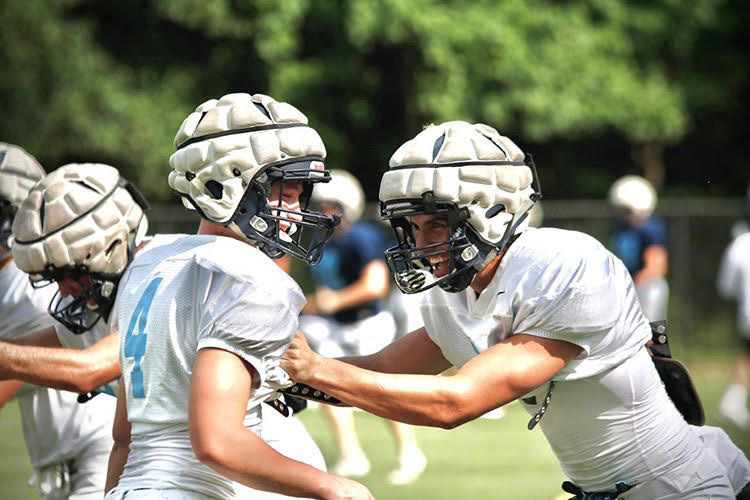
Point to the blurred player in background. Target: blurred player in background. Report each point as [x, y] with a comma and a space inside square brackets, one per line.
[545, 316]
[733, 282]
[205, 317]
[345, 316]
[68, 442]
[640, 241]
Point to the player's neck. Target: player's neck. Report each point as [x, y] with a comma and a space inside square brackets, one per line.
[484, 277]
[211, 228]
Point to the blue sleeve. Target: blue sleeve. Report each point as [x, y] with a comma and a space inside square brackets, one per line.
[655, 232]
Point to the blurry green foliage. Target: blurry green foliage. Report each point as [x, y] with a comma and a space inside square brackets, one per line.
[111, 81]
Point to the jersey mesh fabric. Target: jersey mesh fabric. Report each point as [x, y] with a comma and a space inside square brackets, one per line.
[206, 291]
[55, 426]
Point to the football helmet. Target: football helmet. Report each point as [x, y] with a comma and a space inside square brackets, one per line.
[345, 191]
[633, 194]
[19, 171]
[479, 180]
[82, 221]
[229, 153]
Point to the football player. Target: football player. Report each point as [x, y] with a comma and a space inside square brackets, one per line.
[68, 443]
[545, 316]
[640, 240]
[204, 318]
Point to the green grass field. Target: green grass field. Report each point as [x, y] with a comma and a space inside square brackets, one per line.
[482, 459]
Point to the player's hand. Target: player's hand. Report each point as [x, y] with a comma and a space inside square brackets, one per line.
[346, 489]
[326, 301]
[299, 361]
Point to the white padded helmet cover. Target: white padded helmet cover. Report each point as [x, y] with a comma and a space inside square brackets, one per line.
[634, 193]
[19, 171]
[221, 158]
[472, 183]
[344, 189]
[69, 221]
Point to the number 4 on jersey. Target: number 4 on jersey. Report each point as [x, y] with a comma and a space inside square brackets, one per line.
[135, 343]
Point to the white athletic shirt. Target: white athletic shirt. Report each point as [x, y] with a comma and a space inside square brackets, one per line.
[55, 426]
[733, 281]
[197, 292]
[609, 419]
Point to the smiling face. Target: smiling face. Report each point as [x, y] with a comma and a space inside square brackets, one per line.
[432, 229]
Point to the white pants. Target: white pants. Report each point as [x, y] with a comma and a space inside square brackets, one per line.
[80, 478]
[735, 463]
[704, 480]
[654, 297]
[332, 339]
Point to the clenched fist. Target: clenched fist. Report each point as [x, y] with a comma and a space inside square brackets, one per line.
[299, 361]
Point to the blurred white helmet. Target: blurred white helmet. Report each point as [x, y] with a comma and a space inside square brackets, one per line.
[344, 190]
[231, 150]
[480, 180]
[633, 194]
[83, 221]
[19, 171]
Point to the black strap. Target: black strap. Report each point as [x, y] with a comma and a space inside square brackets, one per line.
[279, 406]
[573, 489]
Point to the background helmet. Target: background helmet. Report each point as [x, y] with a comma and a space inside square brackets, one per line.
[80, 220]
[345, 191]
[480, 180]
[633, 194]
[230, 151]
[19, 171]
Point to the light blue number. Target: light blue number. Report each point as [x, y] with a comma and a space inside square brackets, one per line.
[135, 344]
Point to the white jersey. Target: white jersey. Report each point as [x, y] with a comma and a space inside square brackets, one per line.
[565, 285]
[197, 292]
[733, 281]
[56, 427]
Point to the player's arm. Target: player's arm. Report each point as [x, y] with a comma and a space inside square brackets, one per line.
[8, 390]
[414, 353]
[121, 437]
[220, 385]
[655, 264]
[499, 375]
[372, 284]
[77, 370]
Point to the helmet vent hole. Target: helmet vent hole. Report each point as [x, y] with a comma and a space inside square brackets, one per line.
[2, 156]
[87, 186]
[111, 248]
[493, 211]
[215, 189]
[236, 172]
[189, 176]
[41, 214]
[438, 145]
[497, 145]
[263, 109]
